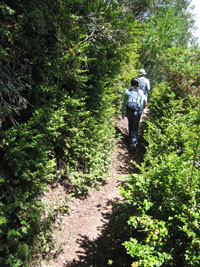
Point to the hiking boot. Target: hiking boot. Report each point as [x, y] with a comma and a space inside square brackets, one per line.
[133, 145]
[134, 142]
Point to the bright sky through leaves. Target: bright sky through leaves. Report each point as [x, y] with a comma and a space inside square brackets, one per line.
[196, 11]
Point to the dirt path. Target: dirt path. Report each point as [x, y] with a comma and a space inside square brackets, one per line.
[89, 231]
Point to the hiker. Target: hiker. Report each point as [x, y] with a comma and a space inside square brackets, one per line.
[132, 106]
[144, 85]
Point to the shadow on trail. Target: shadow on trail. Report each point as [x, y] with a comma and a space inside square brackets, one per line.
[108, 246]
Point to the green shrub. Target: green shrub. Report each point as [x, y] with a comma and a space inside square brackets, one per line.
[60, 76]
[166, 196]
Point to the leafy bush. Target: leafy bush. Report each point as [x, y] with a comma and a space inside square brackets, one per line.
[165, 194]
[60, 76]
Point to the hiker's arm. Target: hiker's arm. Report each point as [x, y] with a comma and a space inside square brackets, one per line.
[148, 85]
[124, 103]
[141, 102]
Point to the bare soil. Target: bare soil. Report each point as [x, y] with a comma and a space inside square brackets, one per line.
[92, 227]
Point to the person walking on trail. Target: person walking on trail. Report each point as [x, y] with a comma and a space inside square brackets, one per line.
[132, 106]
[144, 86]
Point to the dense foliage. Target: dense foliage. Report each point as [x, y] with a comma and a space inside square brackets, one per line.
[60, 61]
[170, 25]
[165, 195]
[63, 67]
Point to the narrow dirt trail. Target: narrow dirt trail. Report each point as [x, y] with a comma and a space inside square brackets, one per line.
[88, 220]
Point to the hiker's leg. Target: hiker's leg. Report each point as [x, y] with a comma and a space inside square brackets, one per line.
[136, 120]
[129, 114]
[144, 103]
